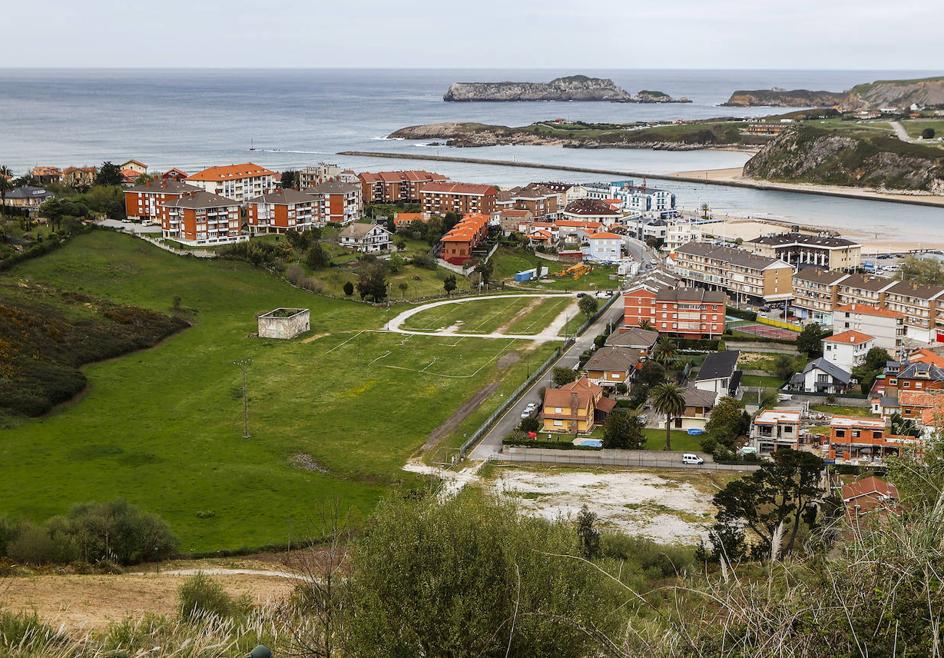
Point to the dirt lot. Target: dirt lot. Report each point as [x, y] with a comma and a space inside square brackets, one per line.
[81, 603]
[665, 506]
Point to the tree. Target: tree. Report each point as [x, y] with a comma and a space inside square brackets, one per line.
[289, 179]
[810, 340]
[928, 133]
[529, 424]
[6, 183]
[372, 282]
[623, 429]
[300, 240]
[664, 351]
[772, 503]
[727, 422]
[588, 534]
[395, 263]
[109, 174]
[317, 257]
[870, 368]
[587, 305]
[433, 229]
[667, 400]
[484, 268]
[929, 271]
[348, 288]
[449, 283]
[784, 366]
[143, 179]
[470, 576]
[705, 211]
[59, 208]
[403, 285]
[647, 325]
[562, 376]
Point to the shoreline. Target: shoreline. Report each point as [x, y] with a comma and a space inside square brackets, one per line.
[722, 177]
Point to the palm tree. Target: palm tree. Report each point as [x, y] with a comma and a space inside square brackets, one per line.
[645, 324]
[667, 399]
[6, 183]
[665, 351]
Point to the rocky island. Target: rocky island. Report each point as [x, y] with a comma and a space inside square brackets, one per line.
[784, 98]
[570, 88]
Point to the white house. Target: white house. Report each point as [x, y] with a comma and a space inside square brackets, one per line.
[679, 233]
[366, 238]
[604, 247]
[847, 349]
[641, 198]
[719, 374]
[821, 376]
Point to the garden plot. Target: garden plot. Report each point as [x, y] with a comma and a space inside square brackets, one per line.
[668, 507]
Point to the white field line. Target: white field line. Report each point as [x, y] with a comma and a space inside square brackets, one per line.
[540, 319]
[425, 370]
[382, 356]
[345, 342]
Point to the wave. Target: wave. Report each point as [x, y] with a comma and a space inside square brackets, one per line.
[388, 139]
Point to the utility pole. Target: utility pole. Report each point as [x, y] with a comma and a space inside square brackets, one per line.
[243, 365]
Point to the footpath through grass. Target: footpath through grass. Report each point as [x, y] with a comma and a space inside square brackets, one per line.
[334, 415]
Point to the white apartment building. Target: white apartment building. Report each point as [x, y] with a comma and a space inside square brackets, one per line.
[239, 182]
[604, 247]
[641, 198]
[886, 327]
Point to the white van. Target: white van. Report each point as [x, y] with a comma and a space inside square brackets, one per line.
[690, 458]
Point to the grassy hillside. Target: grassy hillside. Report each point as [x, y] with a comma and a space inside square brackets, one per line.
[334, 415]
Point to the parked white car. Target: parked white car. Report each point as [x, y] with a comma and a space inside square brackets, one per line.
[690, 458]
[529, 410]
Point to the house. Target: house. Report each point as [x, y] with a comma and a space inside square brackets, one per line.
[279, 211]
[604, 247]
[395, 186]
[719, 374]
[46, 175]
[239, 182]
[440, 197]
[26, 196]
[148, 201]
[136, 166]
[336, 203]
[746, 277]
[536, 199]
[404, 219]
[366, 238]
[175, 174]
[920, 376]
[514, 221]
[573, 231]
[698, 406]
[633, 338]
[201, 218]
[926, 355]
[79, 176]
[823, 250]
[914, 405]
[566, 192]
[773, 429]
[591, 210]
[575, 407]
[847, 349]
[886, 327]
[609, 366]
[457, 245]
[822, 376]
[867, 496]
[863, 441]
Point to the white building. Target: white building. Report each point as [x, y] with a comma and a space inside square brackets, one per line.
[641, 198]
[679, 233]
[773, 429]
[366, 238]
[239, 182]
[604, 248]
[848, 348]
[886, 327]
[822, 376]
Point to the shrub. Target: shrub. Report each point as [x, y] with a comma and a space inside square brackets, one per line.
[742, 314]
[200, 595]
[348, 288]
[928, 133]
[27, 632]
[35, 544]
[294, 274]
[120, 532]
[425, 261]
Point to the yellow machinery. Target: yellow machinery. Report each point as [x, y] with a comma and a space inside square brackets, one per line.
[575, 271]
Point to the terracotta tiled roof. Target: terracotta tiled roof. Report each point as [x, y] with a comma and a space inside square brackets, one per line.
[201, 199]
[869, 485]
[925, 355]
[924, 399]
[850, 336]
[604, 236]
[231, 172]
[865, 309]
[437, 187]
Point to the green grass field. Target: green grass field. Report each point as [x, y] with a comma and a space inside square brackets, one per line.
[334, 414]
[507, 262]
[681, 440]
[915, 126]
[488, 314]
[761, 381]
[841, 410]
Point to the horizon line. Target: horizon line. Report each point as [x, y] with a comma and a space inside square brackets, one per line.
[437, 68]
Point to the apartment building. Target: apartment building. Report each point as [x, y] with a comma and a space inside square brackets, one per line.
[805, 250]
[921, 305]
[336, 203]
[815, 294]
[201, 218]
[885, 326]
[461, 198]
[566, 192]
[148, 202]
[678, 233]
[396, 186]
[641, 198]
[318, 174]
[847, 349]
[457, 245]
[281, 210]
[686, 312]
[538, 200]
[239, 182]
[591, 210]
[746, 277]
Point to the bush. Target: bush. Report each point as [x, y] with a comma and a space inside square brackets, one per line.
[425, 261]
[348, 288]
[742, 314]
[27, 632]
[200, 595]
[35, 544]
[928, 133]
[294, 274]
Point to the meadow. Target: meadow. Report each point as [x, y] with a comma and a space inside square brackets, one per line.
[521, 315]
[334, 414]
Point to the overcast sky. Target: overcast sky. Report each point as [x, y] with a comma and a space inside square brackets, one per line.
[794, 34]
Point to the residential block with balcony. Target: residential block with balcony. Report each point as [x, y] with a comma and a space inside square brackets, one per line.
[744, 276]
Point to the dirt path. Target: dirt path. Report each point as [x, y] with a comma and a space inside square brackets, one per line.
[530, 306]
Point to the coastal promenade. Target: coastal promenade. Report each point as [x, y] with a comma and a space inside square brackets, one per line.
[722, 177]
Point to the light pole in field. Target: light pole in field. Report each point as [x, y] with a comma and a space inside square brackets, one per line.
[243, 365]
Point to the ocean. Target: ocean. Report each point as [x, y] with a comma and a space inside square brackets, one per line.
[194, 118]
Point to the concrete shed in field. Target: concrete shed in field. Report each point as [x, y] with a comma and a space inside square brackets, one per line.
[284, 323]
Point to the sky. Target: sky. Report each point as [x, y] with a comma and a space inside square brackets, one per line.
[620, 34]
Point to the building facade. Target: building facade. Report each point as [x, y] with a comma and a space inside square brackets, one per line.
[395, 186]
[202, 218]
[366, 238]
[461, 198]
[847, 349]
[336, 203]
[685, 312]
[457, 245]
[239, 182]
[148, 202]
[887, 328]
[804, 250]
[746, 277]
[280, 211]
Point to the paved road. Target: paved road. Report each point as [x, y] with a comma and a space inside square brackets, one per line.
[131, 227]
[639, 251]
[901, 133]
[492, 442]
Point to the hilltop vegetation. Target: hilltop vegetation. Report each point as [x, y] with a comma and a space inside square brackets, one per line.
[849, 158]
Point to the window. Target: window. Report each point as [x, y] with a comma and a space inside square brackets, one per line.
[558, 423]
[557, 410]
[840, 434]
[877, 434]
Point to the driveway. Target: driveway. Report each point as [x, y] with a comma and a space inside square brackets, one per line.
[130, 227]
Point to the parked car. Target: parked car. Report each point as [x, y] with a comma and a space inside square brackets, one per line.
[691, 458]
[529, 410]
[603, 294]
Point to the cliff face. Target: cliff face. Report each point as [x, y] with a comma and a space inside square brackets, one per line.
[572, 88]
[813, 155]
[783, 98]
[897, 93]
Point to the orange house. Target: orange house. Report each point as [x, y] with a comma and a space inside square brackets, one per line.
[863, 440]
[461, 239]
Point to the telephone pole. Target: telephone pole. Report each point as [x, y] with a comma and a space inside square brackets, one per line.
[243, 365]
